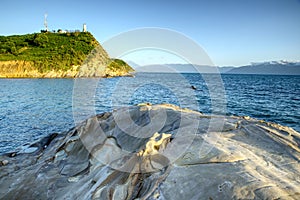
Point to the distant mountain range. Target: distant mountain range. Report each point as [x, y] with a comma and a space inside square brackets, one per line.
[272, 67]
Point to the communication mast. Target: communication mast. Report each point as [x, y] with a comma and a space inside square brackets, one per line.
[45, 22]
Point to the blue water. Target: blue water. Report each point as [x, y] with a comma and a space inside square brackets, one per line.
[33, 108]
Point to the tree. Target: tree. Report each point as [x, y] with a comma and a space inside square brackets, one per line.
[3, 51]
[41, 40]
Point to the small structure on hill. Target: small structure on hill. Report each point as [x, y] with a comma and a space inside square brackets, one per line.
[46, 30]
[84, 28]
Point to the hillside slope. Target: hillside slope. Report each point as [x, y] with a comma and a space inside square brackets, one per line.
[54, 55]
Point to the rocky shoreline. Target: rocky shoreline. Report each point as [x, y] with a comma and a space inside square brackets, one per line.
[26, 69]
[157, 152]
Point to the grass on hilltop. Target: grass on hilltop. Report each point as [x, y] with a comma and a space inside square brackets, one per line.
[48, 51]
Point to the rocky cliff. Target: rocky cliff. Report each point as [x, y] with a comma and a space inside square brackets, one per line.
[157, 152]
[56, 55]
[26, 69]
[98, 64]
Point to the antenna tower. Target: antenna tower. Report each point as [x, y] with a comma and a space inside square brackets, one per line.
[45, 22]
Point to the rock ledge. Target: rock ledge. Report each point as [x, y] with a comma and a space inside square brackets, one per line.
[158, 152]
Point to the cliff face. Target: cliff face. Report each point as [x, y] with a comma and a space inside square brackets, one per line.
[26, 69]
[157, 152]
[54, 55]
[98, 64]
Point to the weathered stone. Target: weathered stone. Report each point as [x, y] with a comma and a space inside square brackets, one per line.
[4, 162]
[158, 152]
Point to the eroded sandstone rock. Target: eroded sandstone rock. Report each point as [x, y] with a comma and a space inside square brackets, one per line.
[158, 152]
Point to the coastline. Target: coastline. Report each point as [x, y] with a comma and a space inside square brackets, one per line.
[24, 69]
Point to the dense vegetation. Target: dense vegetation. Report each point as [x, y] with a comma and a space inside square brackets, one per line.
[117, 64]
[48, 51]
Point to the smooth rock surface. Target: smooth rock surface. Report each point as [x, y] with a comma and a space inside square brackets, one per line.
[158, 152]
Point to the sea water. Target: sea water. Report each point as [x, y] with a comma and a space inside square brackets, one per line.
[33, 108]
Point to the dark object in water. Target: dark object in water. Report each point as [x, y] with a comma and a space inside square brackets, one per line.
[193, 87]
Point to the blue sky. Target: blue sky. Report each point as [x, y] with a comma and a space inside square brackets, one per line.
[232, 32]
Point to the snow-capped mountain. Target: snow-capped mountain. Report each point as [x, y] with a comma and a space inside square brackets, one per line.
[280, 62]
[281, 67]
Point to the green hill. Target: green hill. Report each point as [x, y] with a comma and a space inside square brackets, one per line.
[56, 55]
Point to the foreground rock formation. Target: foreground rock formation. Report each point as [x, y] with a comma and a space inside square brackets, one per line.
[157, 152]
